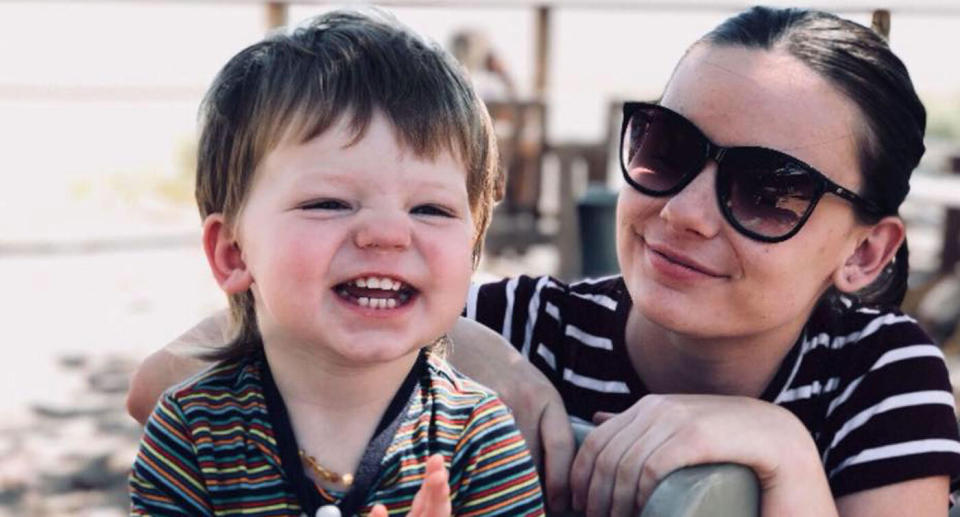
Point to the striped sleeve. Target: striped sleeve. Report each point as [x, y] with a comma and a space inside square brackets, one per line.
[892, 416]
[166, 477]
[493, 474]
[527, 312]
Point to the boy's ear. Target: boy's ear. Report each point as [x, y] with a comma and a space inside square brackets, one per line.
[224, 255]
[875, 249]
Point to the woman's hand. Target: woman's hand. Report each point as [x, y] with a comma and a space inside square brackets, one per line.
[536, 405]
[433, 498]
[624, 458]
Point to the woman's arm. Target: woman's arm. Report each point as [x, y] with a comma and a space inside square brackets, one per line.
[536, 405]
[622, 460]
[921, 497]
[173, 363]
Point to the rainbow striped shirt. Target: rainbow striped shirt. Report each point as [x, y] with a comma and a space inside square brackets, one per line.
[209, 449]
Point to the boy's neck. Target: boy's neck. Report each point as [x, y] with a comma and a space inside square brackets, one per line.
[308, 379]
[334, 408]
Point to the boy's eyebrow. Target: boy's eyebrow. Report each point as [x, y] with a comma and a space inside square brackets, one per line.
[347, 178]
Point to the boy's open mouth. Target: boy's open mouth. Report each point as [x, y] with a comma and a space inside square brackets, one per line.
[376, 292]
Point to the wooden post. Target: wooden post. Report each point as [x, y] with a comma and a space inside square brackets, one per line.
[541, 52]
[881, 23]
[950, 254]
[276, 14]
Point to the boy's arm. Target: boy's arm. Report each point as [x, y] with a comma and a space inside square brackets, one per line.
[166, 478]
[491, 472]
[173, 363]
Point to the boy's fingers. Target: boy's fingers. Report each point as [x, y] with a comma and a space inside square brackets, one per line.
[437, 494]
[416, 509]
[434, 464]
[424, 499]
[378, 511]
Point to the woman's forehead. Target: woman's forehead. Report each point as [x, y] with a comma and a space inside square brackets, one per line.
[755, 97]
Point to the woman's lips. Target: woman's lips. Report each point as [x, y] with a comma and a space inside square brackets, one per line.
[667, 259]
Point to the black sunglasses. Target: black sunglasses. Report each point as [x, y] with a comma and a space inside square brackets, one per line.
[765, 194]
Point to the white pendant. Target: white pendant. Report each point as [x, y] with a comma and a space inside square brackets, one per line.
[328, 511]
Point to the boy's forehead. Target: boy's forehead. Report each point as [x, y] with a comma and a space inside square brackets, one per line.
[349, 129]
[346, 153]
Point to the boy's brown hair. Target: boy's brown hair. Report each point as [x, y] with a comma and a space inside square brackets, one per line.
[301, 82]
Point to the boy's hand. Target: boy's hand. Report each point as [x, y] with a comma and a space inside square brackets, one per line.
[433, 498]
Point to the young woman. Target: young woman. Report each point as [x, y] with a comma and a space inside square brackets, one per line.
[755, 320]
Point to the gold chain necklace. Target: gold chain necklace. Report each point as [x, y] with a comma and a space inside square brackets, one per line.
[324, 473]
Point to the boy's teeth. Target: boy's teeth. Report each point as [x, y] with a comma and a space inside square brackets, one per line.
[374, 282]
[377, 303]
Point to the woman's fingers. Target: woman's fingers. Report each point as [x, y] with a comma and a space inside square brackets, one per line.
[602, 416]
[617, 467]
[585, 462]
[625, 502]
[558, 453]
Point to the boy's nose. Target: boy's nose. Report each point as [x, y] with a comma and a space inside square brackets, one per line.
[383, 230]
[695, 207]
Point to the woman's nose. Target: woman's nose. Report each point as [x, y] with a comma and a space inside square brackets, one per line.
[695, 207]
[384, 230]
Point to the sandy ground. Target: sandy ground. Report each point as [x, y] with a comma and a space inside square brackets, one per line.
[77, 324]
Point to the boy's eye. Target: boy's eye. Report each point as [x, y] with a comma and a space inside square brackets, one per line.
[431, 210]
[325, 204]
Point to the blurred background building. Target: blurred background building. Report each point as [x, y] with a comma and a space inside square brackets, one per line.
[100, 255]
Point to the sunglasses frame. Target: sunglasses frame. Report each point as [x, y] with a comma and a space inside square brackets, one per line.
[712, 151]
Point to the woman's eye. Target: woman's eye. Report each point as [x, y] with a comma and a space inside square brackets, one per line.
[431, 210]
[325, 204]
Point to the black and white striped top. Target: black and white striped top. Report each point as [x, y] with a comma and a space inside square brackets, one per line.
[869, 384]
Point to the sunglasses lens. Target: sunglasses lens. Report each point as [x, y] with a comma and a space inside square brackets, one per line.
[658, 149]
[765, 193]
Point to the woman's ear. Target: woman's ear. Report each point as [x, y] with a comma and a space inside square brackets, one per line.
[224, 255]
[875, 249]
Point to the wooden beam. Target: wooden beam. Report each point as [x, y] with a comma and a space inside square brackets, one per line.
[276, 14]
[541, 70]
[950, 253]
[881, 23]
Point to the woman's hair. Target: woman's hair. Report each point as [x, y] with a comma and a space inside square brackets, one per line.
[299, 83]
[859, 63]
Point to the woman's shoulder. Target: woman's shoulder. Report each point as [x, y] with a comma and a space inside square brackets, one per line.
[521, 290]
[851, 339]
[847, 321]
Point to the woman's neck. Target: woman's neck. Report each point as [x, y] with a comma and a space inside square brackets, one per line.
[670, 362]
[334, 407]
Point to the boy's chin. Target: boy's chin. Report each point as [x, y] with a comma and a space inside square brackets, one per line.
[377, 354]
